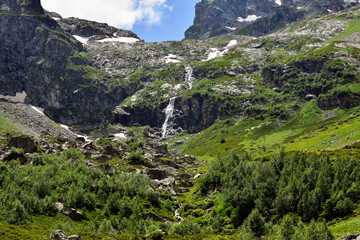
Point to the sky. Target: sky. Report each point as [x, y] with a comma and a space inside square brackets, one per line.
[151, 20]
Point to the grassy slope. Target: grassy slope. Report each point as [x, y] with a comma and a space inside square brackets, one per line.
[305, 131]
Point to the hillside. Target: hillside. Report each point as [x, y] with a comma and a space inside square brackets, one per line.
[225, 136]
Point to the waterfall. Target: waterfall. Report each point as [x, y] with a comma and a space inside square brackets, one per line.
[177, 215]
[188, 76]
[169, 110]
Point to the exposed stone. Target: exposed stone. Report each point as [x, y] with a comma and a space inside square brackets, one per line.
[351, 237]
[101, 158]
[73, 214]
[157, 174]
[16, 155]
[59, 235]
[168, 181]
[59, 206]
[75, 237]
[24, 142]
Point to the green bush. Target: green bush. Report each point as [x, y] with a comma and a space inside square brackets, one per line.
[186, 227]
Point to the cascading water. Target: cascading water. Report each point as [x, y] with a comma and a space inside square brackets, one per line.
[188, 76]
[169, 110]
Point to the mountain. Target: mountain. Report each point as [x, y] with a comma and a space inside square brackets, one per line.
[249, 133]
[255, 17]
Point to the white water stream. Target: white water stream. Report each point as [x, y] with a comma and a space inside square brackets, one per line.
[169, 110]
[188, 76]
[177, 215]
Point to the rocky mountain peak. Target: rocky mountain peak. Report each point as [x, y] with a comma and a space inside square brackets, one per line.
[22, 6]
[255, 17]
[86, 28]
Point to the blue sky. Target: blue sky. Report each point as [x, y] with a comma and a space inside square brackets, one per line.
[173, 24]
[151, 20]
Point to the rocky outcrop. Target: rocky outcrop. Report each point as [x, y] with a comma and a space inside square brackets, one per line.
[39, 58]
[24, 142]
[254, 17]
[339, 99]
[61, 235]
[86, 28]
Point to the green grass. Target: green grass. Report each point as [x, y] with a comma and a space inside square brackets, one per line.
[306, 131]
[353, 27]
[343, 226]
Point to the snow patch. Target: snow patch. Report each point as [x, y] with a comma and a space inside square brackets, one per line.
[330, 11]
[278, 2]
[56, 19]
[133, 98]
[171, 58]
[178, 87]
[231, 44]
[216, 53]
[231, 28]
[81, 39]
[119, 39]
[39, 110]
[249, 18]
[119, 136]
[67, 128]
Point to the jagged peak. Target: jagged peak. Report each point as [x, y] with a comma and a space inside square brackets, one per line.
[22, 6]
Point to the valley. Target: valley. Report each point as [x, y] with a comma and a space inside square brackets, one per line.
[245, 130]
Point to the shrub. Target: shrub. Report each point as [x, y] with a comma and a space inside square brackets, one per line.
[186, 227]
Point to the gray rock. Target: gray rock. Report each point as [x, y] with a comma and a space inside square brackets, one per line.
[168, 181]
[59, 206]
[25, 142]
[157, 174]
[73, 214]
[59, 235]
[75, 237]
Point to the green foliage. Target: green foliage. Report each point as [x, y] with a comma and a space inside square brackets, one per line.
[308, 185]
[103, 142]
[255, 223]
[186, 227]
[116, 199]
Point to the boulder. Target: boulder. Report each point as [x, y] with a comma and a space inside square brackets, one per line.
[351, 237]
[12, 155]
[59, 206]
[157, 174]
[73, 214]
[111, 150]
[24, 142]
[59, 235]
[75, 237]
[101, 158]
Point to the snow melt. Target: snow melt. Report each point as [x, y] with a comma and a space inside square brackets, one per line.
[81, 39]
[249, 18]
[67, 128]
[119, 39]
[119, 136]
[39, 110]
[231, 28]
[171, 58]
[216, 53]
[278, 2]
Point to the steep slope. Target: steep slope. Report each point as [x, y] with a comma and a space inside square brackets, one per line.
[255, 17]
[40, 58]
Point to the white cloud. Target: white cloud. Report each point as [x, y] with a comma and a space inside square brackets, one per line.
[120, 13]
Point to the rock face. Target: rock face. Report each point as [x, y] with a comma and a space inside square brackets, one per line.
[85, 28]
[254, 17]
[40, 58]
